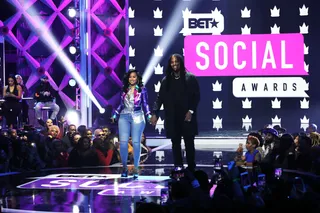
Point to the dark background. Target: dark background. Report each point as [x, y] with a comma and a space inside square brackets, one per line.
[260, 22]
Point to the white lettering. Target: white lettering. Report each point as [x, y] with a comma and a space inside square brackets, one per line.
[236, 55]
[127, 186]
[202, 55]
[268, 56]
[59, 183]
[217, 55]
[284, 65]
[254, 55]
[89, 183]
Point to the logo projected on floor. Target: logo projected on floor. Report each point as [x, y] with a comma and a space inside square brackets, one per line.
[108, 185]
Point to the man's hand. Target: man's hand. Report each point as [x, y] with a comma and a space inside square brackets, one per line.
[154, 120]
[188, 116]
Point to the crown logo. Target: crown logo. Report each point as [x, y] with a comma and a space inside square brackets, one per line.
[275, 29]
[157, 87]
[276, 120]
[160, 125]
[304, 29]
[304, 104]
[306, 50]
[246, 30]
[246, 104]
[158, 51]
[245, 13]
[158, 70]
[306, 67]
[160, 171]
[246, 123]
[304, 120]
[131, 51]
[246, 119]
[276, 104]
[157, 31]
[217, 123]
[131, 13]
[157, 13]
[217, 104]
[131, 67]
[304, 10]
[275, 12]
[131, 31]
[160, 121]
[216, 12]
[186, 13]
[217, 87]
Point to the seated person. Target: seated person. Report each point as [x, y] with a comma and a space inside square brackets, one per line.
[45, 96]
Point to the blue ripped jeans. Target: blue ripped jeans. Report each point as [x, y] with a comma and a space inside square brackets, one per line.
[131, 125]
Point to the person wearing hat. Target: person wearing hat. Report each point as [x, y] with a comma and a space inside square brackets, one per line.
[311, 128]
[45, 97]
[270, 137]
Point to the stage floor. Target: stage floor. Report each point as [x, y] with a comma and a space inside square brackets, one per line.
[83, 190]
[98, 189]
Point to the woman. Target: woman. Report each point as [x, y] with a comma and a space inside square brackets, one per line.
[131, 121]
[252, 156]
[24, 104]
[12, 94]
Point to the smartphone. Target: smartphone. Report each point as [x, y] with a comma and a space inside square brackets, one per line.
[278, 173]
[217, 158]
[164, 196]
[245, 180]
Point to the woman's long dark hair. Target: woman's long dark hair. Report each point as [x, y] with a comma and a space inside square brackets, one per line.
[169, 69]
[126, 83]
[14, 79]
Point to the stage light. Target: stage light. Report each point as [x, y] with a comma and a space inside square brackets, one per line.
[73, 49]
[172, 28]
[73, 117]
[102, 110]
[50, 41]
[72, 82]
[72, 12]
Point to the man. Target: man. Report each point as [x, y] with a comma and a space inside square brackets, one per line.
[45, 96]
[180, 95]
[67, 139]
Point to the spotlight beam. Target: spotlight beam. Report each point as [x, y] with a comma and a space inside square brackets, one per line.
[171, 29]
[48, 39]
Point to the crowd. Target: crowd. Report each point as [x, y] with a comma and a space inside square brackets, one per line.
[264, 175]
[277, 172]
[60, 145]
